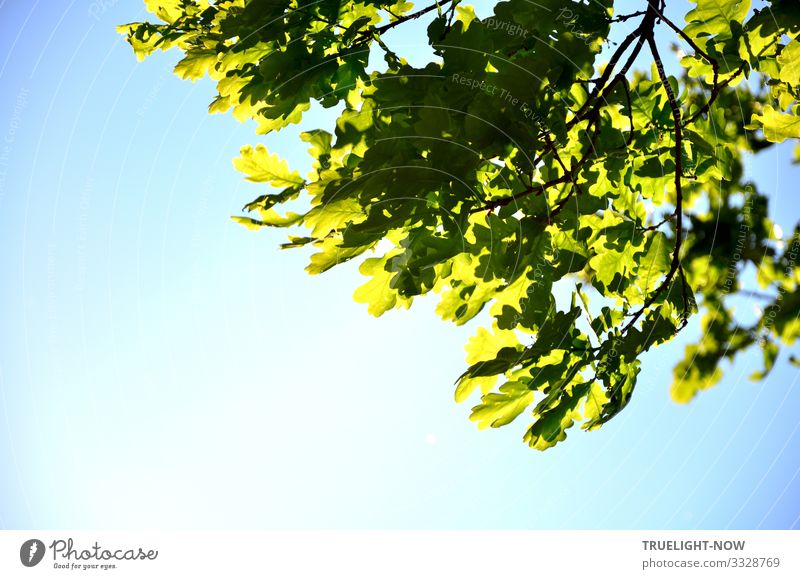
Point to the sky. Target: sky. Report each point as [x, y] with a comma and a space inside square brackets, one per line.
[162, 367]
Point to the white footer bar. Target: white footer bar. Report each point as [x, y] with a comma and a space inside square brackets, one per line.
[400, 554]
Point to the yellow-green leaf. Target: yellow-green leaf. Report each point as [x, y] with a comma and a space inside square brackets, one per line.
[778, 126]
[261, 166]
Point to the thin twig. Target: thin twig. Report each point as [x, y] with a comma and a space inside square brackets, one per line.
[669, 217]
[532, 190]
[625, 17]
[539, 189]
[612, 63]
[365, 36]
[625, 83]
[598, 94]
[688, 39]
[573, 173]
[715, 91]
[586, 313]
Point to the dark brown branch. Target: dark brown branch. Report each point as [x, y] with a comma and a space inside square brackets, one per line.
[539, 189]
[603, 87]
[532, 190]
[688, 40]
[625, 17]
[715, 91]
[551, 146]
[660, 223]
[573, 173]
[451, 15]
[572, 178]
[717, 87]
[675, 265]
[629, 140]
[386, 27]
[601, 82]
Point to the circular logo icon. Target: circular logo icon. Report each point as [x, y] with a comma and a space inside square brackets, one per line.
[32, 552]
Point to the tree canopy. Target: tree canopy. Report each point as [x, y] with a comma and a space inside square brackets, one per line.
[521, 164]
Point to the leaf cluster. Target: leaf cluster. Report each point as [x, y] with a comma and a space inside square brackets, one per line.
[515, 168]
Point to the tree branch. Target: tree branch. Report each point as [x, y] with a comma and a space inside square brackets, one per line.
[573, 172]
[688, 40]
[625, 83]
[601, 89]
[660, 223]
[675, 265]
[534, 189]
[715, 90]
[625, 17]
[386, 27]
[538, 189]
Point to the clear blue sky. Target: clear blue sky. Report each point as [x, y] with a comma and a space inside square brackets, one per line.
[162, 367]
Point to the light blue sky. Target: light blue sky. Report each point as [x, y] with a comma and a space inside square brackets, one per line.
[162, 367]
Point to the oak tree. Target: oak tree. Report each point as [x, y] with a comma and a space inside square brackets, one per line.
[544, 152]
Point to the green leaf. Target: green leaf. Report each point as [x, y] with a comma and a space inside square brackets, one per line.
[485, 345]
[778, 126]
[770, 351]
[261, 166]
[715, 18]
[698, 371]
[789, 62]
[333, 216]
[331, 254]
[499, 409]
[195, 64]
[167, 10]
[377, 293]
[268, 201]
[655, 262]
[269, 217]
[551, 426]
[252, 224]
